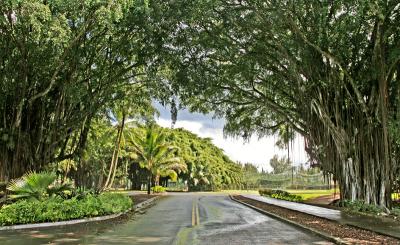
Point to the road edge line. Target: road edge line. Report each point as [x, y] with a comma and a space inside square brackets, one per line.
[336, 240]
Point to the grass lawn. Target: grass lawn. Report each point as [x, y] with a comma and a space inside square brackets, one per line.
[238, 192]
[308, 194]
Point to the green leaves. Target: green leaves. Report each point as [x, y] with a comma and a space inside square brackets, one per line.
[325, 70]
[58, 209]
[155, 153]
[208, 167]
[63, 63]
[37, 186]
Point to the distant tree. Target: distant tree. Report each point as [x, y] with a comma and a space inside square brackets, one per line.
[279, 165]
[208, 167]
[156, 155]
[251, 176]
[249, 168]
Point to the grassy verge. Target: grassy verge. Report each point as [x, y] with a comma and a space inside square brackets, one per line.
[238, 192]
[58, 209]
[310, 194]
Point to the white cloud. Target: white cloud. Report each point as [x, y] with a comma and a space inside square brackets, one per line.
[256, 151]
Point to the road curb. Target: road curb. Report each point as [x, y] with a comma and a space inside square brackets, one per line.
[336, 240]
[135, 208]
[144, 204]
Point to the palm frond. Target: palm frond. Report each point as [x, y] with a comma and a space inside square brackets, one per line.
[31, 185]
[57, 188]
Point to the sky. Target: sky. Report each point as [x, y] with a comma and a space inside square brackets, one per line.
[256, 151]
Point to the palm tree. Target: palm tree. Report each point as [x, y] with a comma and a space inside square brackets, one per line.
[37, 186]
[125, 113]
[156, 155]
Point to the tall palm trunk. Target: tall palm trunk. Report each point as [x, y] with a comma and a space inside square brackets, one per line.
[149, 183]
[115, 156]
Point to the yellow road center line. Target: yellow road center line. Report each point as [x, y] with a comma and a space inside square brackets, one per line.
[193, 214]
[197, 214]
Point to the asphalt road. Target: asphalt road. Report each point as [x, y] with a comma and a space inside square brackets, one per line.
[176, 219]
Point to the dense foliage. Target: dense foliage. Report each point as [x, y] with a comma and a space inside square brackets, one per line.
[279, 165]
[37, 186]
[61, 63]
[58, 209]
[326, 69]
[156, 154]
[158, 189]
[208, 167]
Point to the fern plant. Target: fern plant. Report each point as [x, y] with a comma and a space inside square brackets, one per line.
[37, 186]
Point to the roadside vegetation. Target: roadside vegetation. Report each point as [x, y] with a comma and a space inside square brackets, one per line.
[39, 197]
[57, 208]
[368, 209]
[158, 189]
[311, 194]
[280, 194]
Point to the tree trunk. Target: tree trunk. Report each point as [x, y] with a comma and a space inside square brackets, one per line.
[118, 151]
[114, 160]
[149, 183]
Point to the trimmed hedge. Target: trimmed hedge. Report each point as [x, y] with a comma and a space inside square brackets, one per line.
[280, 194]
[59, 209]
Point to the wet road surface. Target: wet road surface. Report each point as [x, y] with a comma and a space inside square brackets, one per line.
[175, 219]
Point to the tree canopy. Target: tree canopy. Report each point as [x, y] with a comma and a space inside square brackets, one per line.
[327, 69]
[208, 166]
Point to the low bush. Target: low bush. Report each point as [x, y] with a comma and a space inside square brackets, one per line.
[58, 209]
[265, 192]
[395, 211]
[280, 194]
[158, 189]
[37, 186]
[269, 192]
[360, 206]
[289, 197]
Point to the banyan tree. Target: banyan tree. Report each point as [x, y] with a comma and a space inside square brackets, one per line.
[327, 69]
[61, 62]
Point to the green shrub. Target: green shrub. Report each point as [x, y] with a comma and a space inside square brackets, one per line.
[158, 189]
[37, 186]
[57, 209]
[114, 202]
[280, 194]
[360, 206]
[265, 192]
[396, 211]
